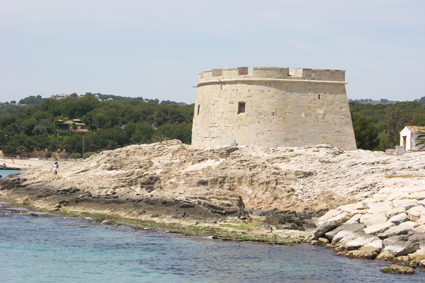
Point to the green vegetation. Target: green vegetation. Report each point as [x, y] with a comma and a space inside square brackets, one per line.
[111, 124]
[377, 127]
[123, 121]
[192, 230]
[420, 141]
[88, 154]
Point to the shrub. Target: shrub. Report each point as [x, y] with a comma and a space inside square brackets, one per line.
[88, 154]
[75, 155]
[48, 154]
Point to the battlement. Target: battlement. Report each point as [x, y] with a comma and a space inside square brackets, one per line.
[279, 73]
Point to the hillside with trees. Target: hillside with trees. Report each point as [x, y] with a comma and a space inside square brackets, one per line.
[110, 124]
[377, 127]
[120, 122]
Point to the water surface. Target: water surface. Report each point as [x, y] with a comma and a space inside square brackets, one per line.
[4, 173]
[34, 249]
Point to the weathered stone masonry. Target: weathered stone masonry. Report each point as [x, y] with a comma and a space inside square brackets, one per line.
[272, 107]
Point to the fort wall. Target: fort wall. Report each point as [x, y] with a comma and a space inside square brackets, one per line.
[272, 107]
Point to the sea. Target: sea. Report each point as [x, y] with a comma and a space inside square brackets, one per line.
[52, 248]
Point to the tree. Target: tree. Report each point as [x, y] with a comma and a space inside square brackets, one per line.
[395, 121]
[420, 140]
[48, 154]
[366, 134]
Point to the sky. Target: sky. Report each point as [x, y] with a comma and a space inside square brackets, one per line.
[156, 49]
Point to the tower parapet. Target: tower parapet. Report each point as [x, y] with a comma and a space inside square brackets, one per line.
[278, 73]
[272, 107]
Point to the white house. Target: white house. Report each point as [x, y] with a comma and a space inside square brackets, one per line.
[408, 137]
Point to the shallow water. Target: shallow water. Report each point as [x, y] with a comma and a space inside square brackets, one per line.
[59, 249]
[4, 173]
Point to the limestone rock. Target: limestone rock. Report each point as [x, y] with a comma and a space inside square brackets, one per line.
[405, 203]
[346, 227]
[323, 240]
[418, 195]
[401, 229]
[399, 218]
[354, 219]
[321, 184]
[397, 269]
[395, 211]
[362, 240]
[385, 256]
[372, 219]
[352, 207]
[378, 228]
[400, 246]
[324, 227]
[379, 207]
[419, 230]
[330, 214]
[414, 213]
[366, 254]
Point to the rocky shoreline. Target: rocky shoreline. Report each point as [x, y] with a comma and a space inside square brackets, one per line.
[359, 203]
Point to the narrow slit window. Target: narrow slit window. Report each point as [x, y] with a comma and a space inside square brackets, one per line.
[199, 108]
[241, 107]
[318, 96]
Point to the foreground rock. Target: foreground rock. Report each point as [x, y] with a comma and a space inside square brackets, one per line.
[397, 269]
[361, 203]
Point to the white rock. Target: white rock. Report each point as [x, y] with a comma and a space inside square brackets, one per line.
[414, 213]
[399, 218]
[375, 243]
[406, 203]
[362, 240]
[401, 229]
[358, 211]
[380, 207]
[419, 229]
[371, 219]
[378, 228]
[419, 253]
[354, 219]
[395, 195]
[341, 218]
[343, 235]
[418, 195]
[400, 248]
[350, 207]
[422, 202]
[396, 210]
[329, 214]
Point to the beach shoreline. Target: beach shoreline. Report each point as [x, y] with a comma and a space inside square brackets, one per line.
[238, 193]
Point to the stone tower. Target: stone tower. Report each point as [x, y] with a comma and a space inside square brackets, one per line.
[272, 107]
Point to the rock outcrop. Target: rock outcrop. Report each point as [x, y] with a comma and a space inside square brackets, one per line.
[364, 204]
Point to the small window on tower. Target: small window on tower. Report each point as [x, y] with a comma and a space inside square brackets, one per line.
[199, 108]
[241, 107]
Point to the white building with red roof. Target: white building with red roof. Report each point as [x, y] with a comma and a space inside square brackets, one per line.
[408, 137]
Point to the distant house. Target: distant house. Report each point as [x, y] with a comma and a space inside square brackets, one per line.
[61, 96]
[62, 128]
[408, 137]
[77, 126]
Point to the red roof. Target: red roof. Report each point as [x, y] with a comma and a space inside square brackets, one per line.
[415, 128]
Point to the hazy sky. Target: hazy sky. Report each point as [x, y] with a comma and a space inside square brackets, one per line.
[156, 48]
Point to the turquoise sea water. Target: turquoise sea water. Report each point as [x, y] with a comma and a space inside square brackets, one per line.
[63, 249]
[58, 249]
[4, 173]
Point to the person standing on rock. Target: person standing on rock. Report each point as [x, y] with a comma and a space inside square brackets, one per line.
[55, 168]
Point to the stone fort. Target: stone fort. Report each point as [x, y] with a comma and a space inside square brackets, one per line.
[272, 107]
